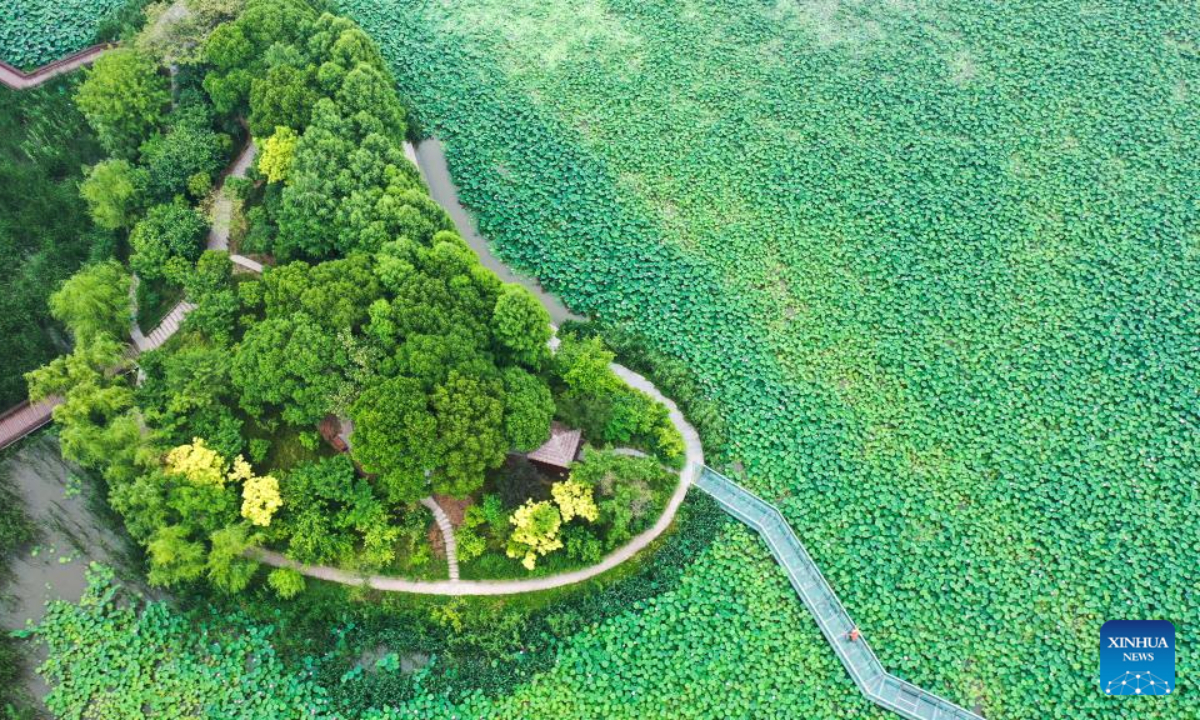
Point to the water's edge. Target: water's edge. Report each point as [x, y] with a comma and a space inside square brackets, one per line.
[431, 161]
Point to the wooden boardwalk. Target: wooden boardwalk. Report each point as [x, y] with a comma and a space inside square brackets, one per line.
[876, 683]
[17, 79]
[19, 421]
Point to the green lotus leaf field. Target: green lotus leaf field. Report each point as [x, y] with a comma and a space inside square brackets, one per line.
[939, 263]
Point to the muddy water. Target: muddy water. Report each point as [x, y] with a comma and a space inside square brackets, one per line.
[431, 160]
[70, 537]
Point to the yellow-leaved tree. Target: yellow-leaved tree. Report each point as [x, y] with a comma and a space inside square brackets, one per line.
[198, 463]
[277, 152]
[574, 499]
[535, 532]
[260, 499]
[202, 465]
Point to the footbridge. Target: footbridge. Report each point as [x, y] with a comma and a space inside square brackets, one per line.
[880, 686]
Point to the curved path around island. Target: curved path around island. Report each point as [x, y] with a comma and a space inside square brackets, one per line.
[694, 460]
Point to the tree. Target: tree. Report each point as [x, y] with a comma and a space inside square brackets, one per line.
[198, 463]
[238, 51]
[522, 326]
[178, 38]
[467, 536]
[114, 190]
[470, 432]
[583, 366]
[186, 157]
[535, 532]
[395, 437]
[228, 567]
[186, 393]
[210, 286]
[528, 409]
[574, 499]
[95, 429]
[168, 231]
[283, 97]
[349, 192]
[260, 499]
[174, 558]
[277, 151]
[94, 302]
[328, 510]
[290, 362]
[122, 97]
[368, 95]
[430, 358]
[337, 294]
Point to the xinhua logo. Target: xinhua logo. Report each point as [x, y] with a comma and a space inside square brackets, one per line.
[1137, 657]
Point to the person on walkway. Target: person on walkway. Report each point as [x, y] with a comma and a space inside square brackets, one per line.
[854, 635]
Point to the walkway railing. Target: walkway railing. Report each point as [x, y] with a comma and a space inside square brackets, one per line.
[880, 686]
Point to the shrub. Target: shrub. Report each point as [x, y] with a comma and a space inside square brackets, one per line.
[286, 582]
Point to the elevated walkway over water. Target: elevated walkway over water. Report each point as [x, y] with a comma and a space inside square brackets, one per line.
[880, 686]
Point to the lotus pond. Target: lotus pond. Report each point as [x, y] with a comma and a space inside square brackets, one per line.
[35, 32]
[939, 263]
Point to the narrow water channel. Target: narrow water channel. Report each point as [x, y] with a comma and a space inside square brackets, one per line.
[431, 160]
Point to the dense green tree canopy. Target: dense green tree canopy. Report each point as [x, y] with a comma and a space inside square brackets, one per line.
[123, 98]
[187, 157]
[290, 363]
[328, 510]
[470, 415]
[114, 190]
[396, 437]
[282, 98]
[94, 302]
[522, 325]
[337, 293]
[167, 241]
[528, 409]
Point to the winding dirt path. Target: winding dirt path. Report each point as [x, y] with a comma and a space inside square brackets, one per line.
[694, 459]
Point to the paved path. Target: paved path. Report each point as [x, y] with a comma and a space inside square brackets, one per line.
[159, 335]
[693, 461]
[878, 685]
[443, 523]
[222, 210]
[19, 80]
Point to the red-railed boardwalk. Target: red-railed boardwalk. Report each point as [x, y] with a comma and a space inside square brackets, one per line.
[19, 421]
[19, 80]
